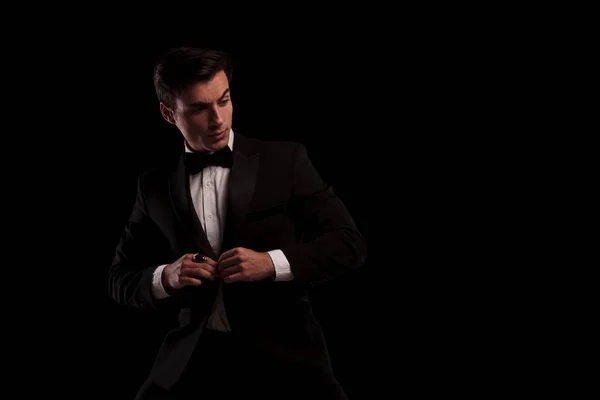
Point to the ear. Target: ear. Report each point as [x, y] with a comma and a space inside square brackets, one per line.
[167, 113]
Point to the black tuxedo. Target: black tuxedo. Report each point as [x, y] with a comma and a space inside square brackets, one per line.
[276, 201]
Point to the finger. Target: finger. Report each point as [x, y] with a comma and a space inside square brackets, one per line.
[210, 269]
[192, 266]
[229, 271]
[237, 277]
[228, 262]
[229, 253]
[201, 259]
[189, 281]
[208, 262]
[197, 272]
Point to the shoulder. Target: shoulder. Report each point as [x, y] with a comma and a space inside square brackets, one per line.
[151, 175]
[279, 149]
[156, 176]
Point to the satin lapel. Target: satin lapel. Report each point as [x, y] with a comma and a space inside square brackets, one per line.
[242, 180]
[184, 209]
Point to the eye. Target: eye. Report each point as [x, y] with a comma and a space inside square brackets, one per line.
[223, 102]
[197, 109]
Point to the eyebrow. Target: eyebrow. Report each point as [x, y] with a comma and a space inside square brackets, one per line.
[202, 104]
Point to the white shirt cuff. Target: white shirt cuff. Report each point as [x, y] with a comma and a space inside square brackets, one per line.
[158, 291]
[283, 271]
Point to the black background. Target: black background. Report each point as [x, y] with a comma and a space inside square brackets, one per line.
[399, 127]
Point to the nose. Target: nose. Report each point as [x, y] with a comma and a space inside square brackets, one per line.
[216, 116]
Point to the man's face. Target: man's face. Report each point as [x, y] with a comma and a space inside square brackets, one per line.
[203, 114]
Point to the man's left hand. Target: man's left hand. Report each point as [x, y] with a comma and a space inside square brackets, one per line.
[244, 265]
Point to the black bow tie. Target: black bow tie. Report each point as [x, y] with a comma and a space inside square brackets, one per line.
[196, 161]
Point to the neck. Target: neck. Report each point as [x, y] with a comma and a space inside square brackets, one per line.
[190, 148]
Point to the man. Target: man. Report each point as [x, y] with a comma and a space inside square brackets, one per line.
[232, 236]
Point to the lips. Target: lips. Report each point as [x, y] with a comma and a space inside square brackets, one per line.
[218, 133]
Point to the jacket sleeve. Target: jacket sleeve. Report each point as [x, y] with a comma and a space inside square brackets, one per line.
[140, 251]
[332, 243]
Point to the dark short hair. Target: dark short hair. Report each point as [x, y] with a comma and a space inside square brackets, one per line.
[182, 66]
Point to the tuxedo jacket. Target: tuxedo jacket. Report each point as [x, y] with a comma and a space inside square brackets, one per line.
[277, 200]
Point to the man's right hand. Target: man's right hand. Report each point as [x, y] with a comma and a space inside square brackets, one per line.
[185, 272]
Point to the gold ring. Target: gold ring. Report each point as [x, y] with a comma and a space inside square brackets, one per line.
[198, 256]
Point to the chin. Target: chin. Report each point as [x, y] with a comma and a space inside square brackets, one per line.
[218, 142]
[210, 144]
[215, 146]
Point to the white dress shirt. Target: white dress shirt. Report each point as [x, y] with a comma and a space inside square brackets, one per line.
[208, 190]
